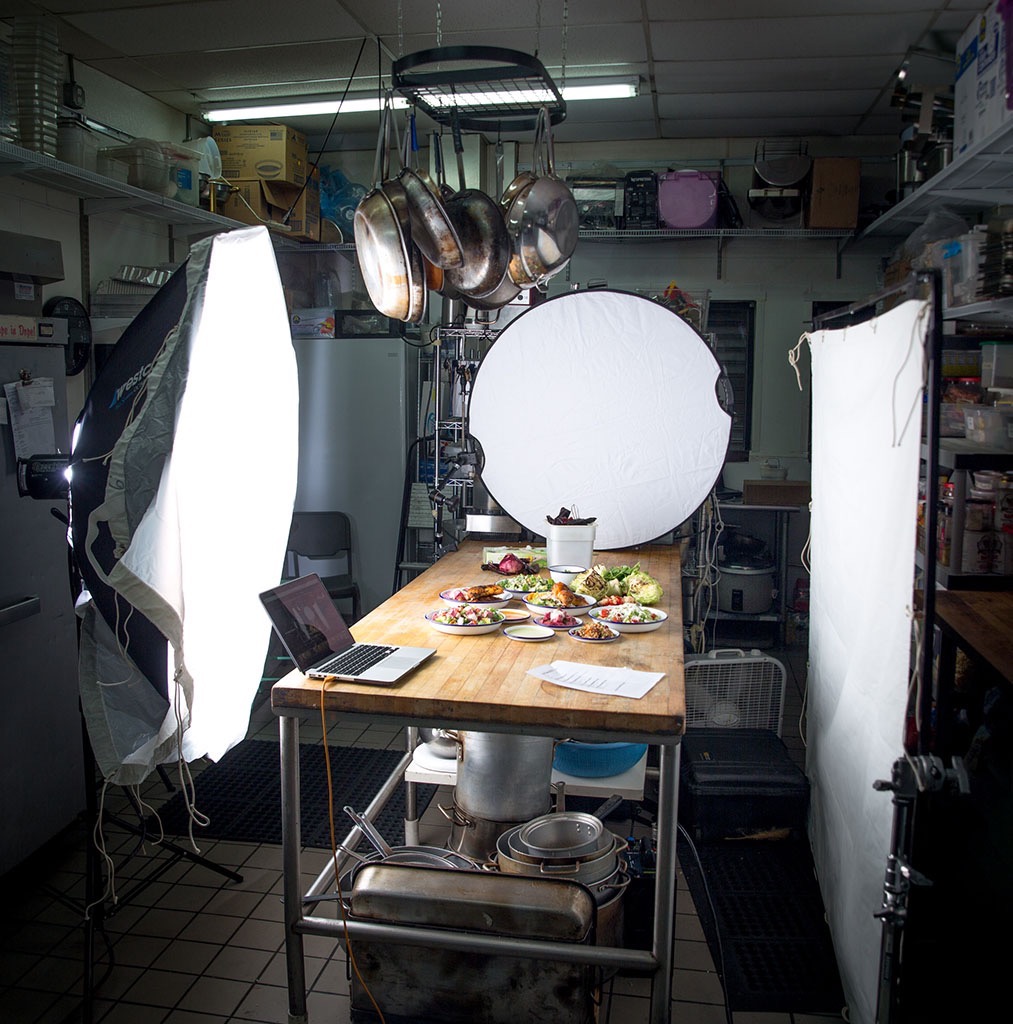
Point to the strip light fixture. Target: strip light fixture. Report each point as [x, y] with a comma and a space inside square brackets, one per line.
[587, 89]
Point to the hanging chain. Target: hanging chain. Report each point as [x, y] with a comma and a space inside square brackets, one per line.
[562, 75]
[439, 24]
[400, 29]
[538, 27]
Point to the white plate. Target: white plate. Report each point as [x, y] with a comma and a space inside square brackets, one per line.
[496, 602]
[592, 639]
[578, 621]
[541, 609]
[515, 614]
[629, 627]
[529, 633]
[443, 627]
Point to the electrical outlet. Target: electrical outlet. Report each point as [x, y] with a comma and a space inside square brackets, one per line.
[73, 95]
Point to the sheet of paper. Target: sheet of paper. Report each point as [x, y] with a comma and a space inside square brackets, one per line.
[30, 412]
[619, 682]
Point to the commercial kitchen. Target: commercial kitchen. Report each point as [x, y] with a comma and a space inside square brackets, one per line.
[634, 385]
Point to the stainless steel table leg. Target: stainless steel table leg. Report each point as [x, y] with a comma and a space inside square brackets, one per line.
[665, 881]
[291, 831]
[411, 812]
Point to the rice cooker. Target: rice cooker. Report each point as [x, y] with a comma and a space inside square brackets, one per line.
[745, 588]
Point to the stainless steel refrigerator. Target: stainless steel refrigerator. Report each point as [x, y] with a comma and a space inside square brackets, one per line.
[43, 786]
[353, 411]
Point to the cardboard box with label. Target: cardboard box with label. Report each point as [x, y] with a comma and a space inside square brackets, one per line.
[272, 152]
[980, 104]
[834, 192]
[267, 202]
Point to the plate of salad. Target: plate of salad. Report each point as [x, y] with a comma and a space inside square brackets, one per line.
[465, 620]
[529, 583]
[593, 633]
[539, 602]
[629, 618]
[557, 618]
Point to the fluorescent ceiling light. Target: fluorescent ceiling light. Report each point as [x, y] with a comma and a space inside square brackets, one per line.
[296, 107]
[588, 89]
[606, 89]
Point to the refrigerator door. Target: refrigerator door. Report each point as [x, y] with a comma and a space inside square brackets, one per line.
[40, 728]
[352, 448]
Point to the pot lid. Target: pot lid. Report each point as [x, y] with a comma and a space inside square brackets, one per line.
[747, 567]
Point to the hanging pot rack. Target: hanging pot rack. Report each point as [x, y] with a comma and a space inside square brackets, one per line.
[431, 79]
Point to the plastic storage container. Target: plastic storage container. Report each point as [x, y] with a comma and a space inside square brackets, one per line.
[140, 163]
[78, 144]
[182, 166]
[989, 425]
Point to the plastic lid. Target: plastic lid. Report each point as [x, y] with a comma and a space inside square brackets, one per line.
[210, 156]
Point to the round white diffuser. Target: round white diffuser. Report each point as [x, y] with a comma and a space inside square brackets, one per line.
[604, 403]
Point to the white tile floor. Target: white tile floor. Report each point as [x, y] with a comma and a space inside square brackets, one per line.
[191, 948]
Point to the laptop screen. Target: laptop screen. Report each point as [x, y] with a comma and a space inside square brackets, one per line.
[307, 622]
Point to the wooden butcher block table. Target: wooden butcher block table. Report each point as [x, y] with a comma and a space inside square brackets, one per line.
[482, 683]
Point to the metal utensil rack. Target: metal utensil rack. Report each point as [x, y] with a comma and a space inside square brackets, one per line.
[445, 483]
[467, 84]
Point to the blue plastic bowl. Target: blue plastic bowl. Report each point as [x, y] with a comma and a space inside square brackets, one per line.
[596, 760]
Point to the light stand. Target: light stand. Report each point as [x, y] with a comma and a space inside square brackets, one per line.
[911, 777]
[44, 477]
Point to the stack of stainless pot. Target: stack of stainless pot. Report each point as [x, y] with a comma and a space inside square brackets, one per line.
[574, 846]
[502, 781]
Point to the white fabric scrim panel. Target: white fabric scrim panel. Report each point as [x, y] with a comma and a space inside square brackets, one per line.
[866, 398]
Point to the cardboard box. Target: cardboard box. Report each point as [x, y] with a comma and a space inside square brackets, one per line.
[788, 493]
[272, 152]
[980, 106]
[833, 195]
[267, 202]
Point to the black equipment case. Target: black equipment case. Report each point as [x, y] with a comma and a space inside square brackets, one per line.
[739, 783]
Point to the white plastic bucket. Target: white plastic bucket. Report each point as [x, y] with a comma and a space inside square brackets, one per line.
[570, 545]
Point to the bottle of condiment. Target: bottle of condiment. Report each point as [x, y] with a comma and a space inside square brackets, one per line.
[944, 532]
[1004, 505]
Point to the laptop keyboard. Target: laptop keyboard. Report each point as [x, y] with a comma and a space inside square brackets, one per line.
[355, 661]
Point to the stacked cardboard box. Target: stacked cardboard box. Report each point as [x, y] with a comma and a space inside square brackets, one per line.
[834, 193]
[268, 167]
[271, 202]
[980, 104]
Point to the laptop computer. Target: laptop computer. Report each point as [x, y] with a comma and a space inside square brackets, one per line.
[320, 643]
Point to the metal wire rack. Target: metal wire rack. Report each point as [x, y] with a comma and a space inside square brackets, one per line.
[487, 87]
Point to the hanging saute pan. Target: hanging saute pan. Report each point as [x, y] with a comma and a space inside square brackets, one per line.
[432, 229]
[542, 222]
[380, 245]
[506, 291]
[523, 180]
[483, 234]
[396, 193]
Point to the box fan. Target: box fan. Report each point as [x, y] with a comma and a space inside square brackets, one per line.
[731, 689]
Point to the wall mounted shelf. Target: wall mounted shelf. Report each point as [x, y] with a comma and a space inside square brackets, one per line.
[99, 194]
[975, 182]
[629, 236]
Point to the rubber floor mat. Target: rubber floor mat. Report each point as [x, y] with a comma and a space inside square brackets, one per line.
[770, 930]
[241, 794]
